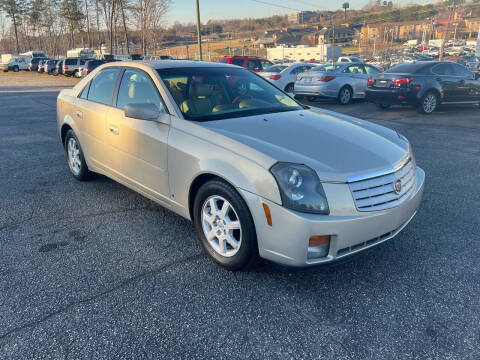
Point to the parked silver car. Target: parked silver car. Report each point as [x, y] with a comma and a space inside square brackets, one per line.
[344, 81]
[259, 174]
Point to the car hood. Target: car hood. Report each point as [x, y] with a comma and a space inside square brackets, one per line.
[336, 146]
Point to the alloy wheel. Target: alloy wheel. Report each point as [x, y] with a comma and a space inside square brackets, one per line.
[345, 96]
[221, 226]
[429, 103]
[74, 160]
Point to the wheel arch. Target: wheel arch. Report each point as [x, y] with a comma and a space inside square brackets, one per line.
[63, 131]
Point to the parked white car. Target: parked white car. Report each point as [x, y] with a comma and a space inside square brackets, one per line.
[354, 59]
[15, 63]
[284, 75]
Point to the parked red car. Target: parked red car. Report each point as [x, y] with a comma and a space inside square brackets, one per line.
[252, 63]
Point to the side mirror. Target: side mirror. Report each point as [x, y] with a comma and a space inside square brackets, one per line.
[142, 111]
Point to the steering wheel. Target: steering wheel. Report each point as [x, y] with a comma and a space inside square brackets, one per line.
[241, 88]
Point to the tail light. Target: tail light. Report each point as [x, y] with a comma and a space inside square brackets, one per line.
[326, 78]
[370, 81]
[275, 77]
[401, 81]
[65, 67]
[88, 70]
[298, 78]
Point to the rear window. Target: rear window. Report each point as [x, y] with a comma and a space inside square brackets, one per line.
[275, 68]
[326, 68]
[406, 68]
[223, 61]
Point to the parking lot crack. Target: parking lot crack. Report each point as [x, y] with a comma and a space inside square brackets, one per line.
[100, 295]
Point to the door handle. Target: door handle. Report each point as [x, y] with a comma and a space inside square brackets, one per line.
[113, 129]
[79, 114]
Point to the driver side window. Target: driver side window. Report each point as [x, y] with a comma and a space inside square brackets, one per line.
[137, 88]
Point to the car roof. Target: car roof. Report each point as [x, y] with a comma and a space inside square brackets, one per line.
[170, 64]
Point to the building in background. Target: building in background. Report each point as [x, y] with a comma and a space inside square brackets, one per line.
[320, 53]
[301, 17]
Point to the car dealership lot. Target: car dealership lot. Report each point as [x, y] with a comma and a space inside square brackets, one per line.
[94, 270]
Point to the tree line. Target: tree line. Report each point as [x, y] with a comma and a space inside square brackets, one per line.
[58, 25]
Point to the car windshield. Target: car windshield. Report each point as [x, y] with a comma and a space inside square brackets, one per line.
[327, 68]
[215, 93]
[275, 68]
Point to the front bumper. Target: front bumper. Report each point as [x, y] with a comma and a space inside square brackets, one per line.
[286, 241]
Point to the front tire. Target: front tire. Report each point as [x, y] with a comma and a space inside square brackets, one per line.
[75, 159]
[225, 226]
[16, 69]
[345, 95]
[428, 104]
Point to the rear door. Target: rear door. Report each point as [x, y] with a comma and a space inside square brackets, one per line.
[449, 82]
[357, 78]
[138, 148]
[469, 87]
[91, 111]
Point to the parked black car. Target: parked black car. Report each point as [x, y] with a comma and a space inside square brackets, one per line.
[90, 65]
[424, 85]
[33, 65]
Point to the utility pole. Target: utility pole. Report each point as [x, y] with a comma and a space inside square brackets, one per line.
[199, 35]
[444, 35]
[455, 33]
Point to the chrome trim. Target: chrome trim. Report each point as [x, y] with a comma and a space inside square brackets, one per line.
[383, 172]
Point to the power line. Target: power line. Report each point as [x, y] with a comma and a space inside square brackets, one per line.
[272, 4]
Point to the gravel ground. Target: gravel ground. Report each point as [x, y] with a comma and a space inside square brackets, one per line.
[94, 270]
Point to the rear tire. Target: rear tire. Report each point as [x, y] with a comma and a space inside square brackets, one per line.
[428, 104]
[289, 88]
[16, 69]
[225, 226]
[75, 159]
[345, 95]
[383, 106]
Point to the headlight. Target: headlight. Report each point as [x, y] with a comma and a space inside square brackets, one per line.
[300, 188]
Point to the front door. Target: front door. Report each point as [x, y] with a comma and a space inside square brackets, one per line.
[138, 148]
[90, 114]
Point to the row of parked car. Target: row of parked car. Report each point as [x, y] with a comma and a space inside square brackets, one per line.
[424, 84]
[77, 67]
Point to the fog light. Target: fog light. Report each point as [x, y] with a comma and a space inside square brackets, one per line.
[318, 246]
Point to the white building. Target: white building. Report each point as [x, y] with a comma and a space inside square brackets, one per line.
[304, 53]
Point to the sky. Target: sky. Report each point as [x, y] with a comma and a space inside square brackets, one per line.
[184, 10]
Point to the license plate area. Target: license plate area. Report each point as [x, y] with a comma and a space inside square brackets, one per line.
[382, 83]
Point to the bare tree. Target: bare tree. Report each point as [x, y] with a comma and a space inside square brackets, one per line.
[14, 10]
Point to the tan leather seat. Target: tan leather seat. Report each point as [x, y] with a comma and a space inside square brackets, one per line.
[199, 101]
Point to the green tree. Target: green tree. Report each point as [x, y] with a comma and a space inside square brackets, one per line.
[14, 10]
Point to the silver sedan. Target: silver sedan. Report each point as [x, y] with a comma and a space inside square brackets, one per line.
[260, 175]
[343, 81]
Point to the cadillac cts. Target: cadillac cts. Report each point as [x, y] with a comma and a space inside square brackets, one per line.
[260, 175]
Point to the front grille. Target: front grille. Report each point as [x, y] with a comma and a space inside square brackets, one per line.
[378, 193]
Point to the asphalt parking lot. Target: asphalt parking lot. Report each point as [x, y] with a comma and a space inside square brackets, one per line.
[94, 270]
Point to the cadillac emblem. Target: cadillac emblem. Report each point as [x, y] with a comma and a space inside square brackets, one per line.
[397, 186]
